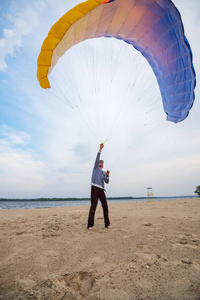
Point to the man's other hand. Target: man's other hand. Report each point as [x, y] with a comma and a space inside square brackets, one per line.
[107, 173]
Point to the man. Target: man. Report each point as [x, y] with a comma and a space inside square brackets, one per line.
[97, 191]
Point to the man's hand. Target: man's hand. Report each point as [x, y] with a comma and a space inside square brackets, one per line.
[101, 146]
[107, 173]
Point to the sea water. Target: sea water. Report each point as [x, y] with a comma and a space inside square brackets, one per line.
[29, 204]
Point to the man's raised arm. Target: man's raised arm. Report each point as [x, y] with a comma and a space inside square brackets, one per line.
[96, 164]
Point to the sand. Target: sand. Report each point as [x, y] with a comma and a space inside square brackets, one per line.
[151, 252]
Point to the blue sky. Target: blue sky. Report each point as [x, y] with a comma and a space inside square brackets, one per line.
[47, 149]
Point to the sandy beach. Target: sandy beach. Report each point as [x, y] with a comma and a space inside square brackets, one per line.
[152, 252]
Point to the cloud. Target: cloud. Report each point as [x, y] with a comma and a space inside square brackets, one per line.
[55, 170]
[12, 137]
[21, 173]
[12, 39]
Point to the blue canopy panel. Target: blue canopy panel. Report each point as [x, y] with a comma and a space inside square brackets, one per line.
[155, 29]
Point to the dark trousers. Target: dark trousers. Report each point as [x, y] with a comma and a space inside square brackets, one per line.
[97, 193]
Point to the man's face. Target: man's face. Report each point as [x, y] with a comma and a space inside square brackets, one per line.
[101, 165]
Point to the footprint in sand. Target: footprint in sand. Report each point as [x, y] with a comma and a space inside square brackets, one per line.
[187, 241]
[81, 282]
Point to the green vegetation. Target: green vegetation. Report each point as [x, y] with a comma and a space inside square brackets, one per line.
[198, 190]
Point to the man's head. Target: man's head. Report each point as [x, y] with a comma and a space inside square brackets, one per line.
[101, 164]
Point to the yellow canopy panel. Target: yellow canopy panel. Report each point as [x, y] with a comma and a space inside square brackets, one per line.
[66, 32]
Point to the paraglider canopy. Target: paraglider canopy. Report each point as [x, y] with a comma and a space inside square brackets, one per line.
[152, 27]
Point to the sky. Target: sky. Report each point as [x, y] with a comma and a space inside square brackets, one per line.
[47, 149]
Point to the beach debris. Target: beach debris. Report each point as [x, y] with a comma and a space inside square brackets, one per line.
[147, 224]
[186, 261]
[183, 242]
[147, 266]
[20, 232]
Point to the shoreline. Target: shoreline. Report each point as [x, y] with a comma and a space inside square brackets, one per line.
[151, 252]
[36, 204]
[88, 198]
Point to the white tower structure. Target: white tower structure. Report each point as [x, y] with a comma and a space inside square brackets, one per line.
[150, 193]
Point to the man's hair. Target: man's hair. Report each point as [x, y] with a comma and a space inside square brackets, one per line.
[101, 161]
